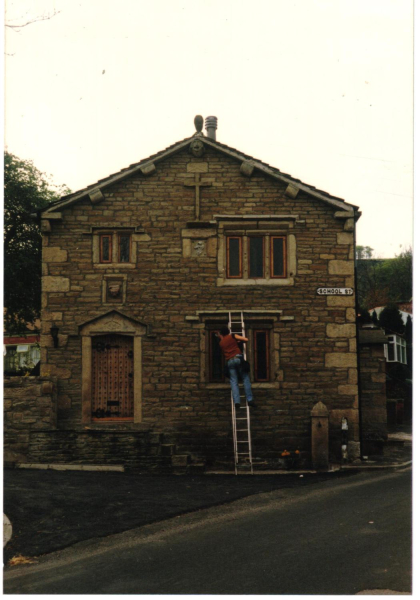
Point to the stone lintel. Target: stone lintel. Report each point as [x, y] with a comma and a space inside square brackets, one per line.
[247, 168]
[148, 168]
[96, 196]
[254, 217]
[198, 233]
[141, 237]
[291, 191]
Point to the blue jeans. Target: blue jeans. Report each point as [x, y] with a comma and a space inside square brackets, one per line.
[234, 366]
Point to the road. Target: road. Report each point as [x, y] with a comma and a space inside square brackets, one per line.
[337, 537]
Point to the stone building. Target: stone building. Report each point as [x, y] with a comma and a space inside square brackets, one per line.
[139, 272]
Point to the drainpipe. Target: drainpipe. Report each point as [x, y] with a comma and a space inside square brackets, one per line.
[359, 386]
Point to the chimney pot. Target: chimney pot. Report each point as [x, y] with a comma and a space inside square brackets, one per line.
[211, 126]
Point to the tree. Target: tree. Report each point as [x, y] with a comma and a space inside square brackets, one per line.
[26, 190]
[397, 273]
[363, 252]
[381, 281]
[390, 319]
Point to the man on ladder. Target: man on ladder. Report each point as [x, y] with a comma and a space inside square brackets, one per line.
[234, 360]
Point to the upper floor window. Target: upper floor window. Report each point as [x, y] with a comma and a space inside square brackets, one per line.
[256, 256]
[122, 251]
[114, 247]
[396, 349]
[256, 250]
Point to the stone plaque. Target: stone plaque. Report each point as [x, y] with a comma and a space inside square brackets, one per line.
[198, 248]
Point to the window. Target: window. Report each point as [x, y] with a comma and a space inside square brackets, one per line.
[124, 248]
[396, 350]
[258, 354]
[21, 359]
[216, 359]
[261, 355]
[106, 248]
[234, 257]
[264, 257]
[116, 247]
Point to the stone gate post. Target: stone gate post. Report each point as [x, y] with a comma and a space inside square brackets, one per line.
[319, 419]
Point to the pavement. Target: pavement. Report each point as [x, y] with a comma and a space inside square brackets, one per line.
[50, 510]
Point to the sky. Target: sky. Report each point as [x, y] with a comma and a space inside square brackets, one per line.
[320, 89]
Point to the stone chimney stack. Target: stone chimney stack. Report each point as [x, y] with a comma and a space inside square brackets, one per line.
[211, 126]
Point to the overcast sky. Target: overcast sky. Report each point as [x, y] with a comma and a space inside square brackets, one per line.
[321, 89]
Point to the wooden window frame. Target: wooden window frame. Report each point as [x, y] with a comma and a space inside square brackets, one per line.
[249, 255]
[101, 238]
[120, 235]
[211, 340]
[272, 238]
[228, 238]
[255, 354]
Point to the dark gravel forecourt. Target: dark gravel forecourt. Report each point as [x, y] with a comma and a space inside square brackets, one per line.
[50, 510]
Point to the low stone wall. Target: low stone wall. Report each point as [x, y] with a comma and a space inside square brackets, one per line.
[132, 449]
[30, 404]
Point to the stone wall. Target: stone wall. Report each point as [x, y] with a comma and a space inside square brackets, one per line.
[30, 404]
[132, 449]
[373, 391]
[171, 288]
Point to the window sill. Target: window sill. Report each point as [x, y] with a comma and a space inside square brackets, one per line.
[255, 282]
[114, 265]
[272, 385]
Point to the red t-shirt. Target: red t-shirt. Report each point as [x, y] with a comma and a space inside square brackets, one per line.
[229, 347]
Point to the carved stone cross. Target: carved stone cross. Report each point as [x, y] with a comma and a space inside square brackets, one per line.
[197, 184]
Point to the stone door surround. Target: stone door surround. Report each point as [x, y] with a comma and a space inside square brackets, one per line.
[111, 322]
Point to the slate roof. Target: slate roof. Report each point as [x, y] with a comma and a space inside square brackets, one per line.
[224, 148]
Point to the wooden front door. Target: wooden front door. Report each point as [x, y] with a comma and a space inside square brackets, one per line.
[112, 377]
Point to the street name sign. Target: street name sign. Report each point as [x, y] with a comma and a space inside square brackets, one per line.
[335, 291]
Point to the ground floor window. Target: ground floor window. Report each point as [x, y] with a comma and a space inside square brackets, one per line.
[21, 359]
[112, 377]
[258, 352]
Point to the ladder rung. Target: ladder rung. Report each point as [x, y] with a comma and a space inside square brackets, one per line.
[238, 430]
[243, 453]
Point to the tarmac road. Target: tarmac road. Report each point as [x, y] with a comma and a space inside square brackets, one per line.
[334, 537]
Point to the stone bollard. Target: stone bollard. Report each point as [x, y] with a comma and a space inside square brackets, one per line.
[319, 418]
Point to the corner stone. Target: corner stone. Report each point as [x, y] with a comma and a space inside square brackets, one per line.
[341, 359]
[341, 267]
[55, 284]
